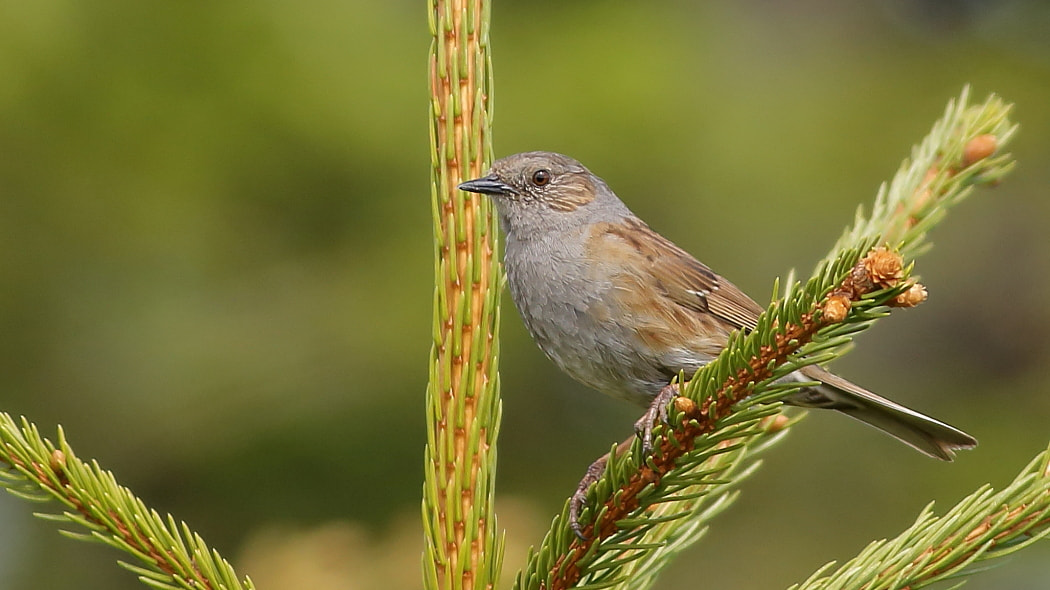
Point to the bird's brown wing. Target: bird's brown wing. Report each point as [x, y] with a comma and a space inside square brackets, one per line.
[687, 281]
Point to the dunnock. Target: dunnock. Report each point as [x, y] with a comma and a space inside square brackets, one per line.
[622, 309]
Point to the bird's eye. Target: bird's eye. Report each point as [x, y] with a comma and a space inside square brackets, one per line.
[541, 177]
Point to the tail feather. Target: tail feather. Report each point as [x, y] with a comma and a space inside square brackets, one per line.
[925, 434]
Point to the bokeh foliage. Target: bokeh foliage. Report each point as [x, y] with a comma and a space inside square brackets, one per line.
[216, 268]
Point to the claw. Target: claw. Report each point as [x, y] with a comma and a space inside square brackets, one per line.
[656, 414]
[644, 429]
[579, 498]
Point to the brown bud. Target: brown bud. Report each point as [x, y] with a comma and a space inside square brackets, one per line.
[979, 148]
[776, 423]
[685, 405]
[57, 461]
[835, 308]
[859, 281]
[883, 267]
[912, 296]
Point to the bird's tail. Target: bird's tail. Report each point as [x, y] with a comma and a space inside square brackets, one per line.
[931, 437]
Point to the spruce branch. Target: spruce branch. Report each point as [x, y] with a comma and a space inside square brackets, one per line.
[170, 555]
[462, 547]
[648, 509]
[984, 525]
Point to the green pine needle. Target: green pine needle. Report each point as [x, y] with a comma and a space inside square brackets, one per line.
[984, 525]
[168, 556]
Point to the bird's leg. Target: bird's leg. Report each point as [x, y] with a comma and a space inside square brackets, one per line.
[656, 414]
[579, 498]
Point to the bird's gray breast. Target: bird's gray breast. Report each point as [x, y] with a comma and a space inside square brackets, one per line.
[569, 307]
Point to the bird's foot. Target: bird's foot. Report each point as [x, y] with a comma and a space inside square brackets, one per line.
[656, 414]
[579, 498]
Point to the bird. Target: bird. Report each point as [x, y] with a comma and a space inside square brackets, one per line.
[623, 310]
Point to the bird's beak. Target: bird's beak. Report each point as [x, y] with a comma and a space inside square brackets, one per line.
[487, 185]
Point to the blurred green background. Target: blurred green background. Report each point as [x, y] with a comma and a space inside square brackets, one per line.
[216, 261]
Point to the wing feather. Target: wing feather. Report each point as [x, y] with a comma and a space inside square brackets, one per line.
[685, 280]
